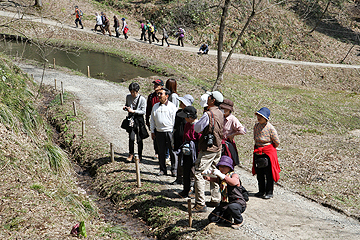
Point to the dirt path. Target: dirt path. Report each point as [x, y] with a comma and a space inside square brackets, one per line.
[286, 216]
[187, 48]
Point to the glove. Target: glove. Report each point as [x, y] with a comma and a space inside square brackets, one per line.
[217, 173]
[207, 172]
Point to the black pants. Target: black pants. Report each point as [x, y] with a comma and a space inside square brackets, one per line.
[188, 171]
[149, 36]
[96, 26]
[180, 40]
[132, 143]
[233, 210]
[154, 37]
[117, 32]
[166, 40]
[265, 177]
[143, 35]
[164, 144]
[78, 20]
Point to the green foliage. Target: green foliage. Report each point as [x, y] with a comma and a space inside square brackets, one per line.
[82, 229]
[37, 187]
[57, 158]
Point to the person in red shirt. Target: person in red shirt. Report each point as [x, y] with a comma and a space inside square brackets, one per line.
[78, 15]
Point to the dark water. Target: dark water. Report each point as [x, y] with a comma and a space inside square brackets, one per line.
[102, 66]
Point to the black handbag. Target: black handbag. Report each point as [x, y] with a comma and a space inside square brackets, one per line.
[128, 122]
[261, 162]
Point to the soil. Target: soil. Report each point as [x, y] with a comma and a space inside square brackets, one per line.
[286, 216]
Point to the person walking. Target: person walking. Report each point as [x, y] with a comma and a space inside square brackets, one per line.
[124, 28]
[181, 35]
[265, 160]
[161, 126]
[106, 24]
[99, 22]
[78, 15]
[150, 30]
[211, 126]
[143, 31]
[171, 84]
[116, 26]
[153, 33]
[135, 105]
[232, 127]
[165, 37]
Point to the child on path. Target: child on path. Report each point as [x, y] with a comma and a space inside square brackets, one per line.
[232, 203]
[265, 160]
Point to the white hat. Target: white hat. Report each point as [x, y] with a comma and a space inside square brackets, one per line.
[217, 95]
[203, 100]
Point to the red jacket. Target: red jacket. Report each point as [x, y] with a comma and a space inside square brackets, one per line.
[272, 153]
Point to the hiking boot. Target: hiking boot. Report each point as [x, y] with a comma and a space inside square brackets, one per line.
[259, 194]
[199, 208]
[130, 157]
[184, 194]
[212, 204]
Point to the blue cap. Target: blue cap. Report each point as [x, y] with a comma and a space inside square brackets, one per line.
[265, 112]
[226, 161]
[123, 19]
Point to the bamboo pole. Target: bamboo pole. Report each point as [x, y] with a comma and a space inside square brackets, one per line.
[88, 68]
[74, 106]
[112, 152]
[137, 161]
[83, 128]
[190, 213]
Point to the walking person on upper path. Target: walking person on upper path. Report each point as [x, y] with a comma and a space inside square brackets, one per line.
[150, 30]
[211, 126]
[116, 26]
[265, 163]
[161, 126]
[143, 31]
[106, 24]
[124, 28]
[78, 15]
[181, 35]
[165, 37]
[153, 33]
[99, 23]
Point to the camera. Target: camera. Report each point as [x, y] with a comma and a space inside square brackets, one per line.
[209, 139]
[125, 109]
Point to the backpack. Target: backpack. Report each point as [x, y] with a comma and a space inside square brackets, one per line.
[81, 13]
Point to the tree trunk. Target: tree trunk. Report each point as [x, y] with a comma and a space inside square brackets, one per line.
[38, 3]
[322, 15]
[218, 82]
[221, 36]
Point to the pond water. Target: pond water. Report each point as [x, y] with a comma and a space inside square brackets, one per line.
[102, 66]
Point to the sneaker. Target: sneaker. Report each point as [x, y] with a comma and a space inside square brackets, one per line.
[236, 226]
[259, 194]
[212, 204]
[199, 208]
[161, 173]
[268, 196]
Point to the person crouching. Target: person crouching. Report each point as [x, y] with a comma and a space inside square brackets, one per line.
[232, 203]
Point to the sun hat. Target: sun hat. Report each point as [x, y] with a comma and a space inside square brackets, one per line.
[158, 82]
[187, 100]
[217, 95]
[227, 104]
[187, 112]
[203, 100]
[226, 161]
[265, 112]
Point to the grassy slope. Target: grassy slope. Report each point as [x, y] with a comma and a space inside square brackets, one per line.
[39, 197]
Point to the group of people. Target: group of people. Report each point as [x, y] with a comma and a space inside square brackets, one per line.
[203, 149]
[103, 22]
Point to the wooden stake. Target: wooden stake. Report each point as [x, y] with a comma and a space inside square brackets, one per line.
[112, 152]
[55, 83]
[61, 98]
[62, 87]
[32, 76]
[54, 62]
[189, 211]
[74, 106]
[88, 71]
[137, 161]
[83, 128]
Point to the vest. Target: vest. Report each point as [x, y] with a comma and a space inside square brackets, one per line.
[218, 131]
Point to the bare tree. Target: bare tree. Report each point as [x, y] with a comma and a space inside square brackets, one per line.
[257, 7]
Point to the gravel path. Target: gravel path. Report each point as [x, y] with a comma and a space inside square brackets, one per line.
[286, 216]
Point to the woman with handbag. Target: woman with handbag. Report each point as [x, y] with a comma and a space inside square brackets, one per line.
[136, 106]
[265, 160]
